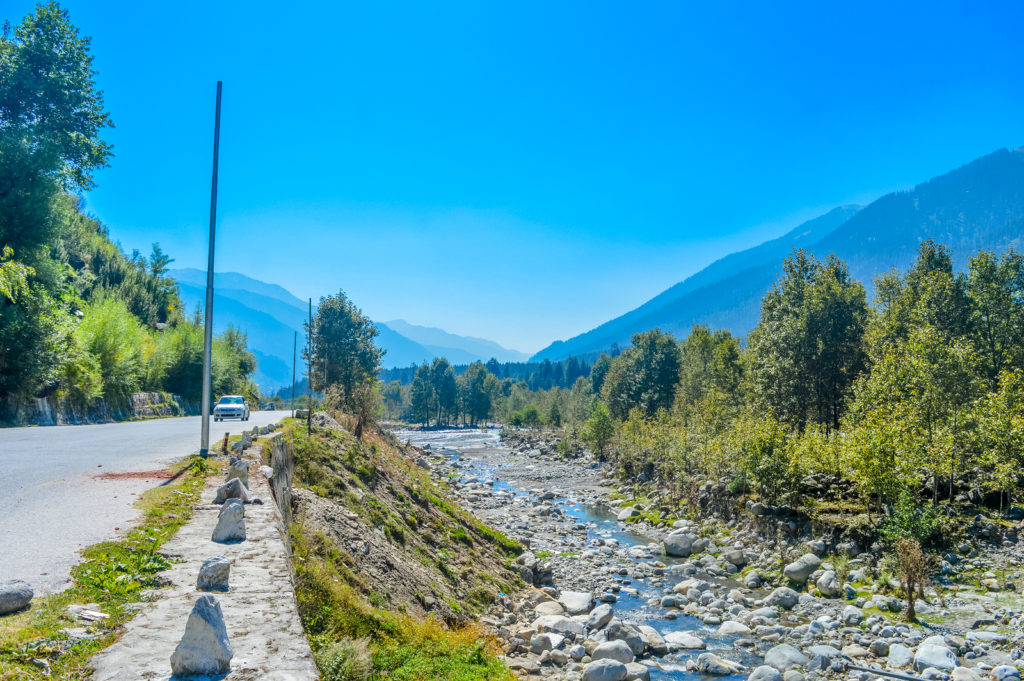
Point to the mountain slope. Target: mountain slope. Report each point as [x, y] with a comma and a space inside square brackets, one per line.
[980, 205]
[458, 349]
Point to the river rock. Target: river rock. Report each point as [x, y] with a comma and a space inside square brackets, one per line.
[620, 631]
[605, 670]
[684, 640]
[736, 557]
[785, 657]
[549, 608]
[828, 584]
[765, 673]
[214, 574]
[576, 602]
[636, 671]
[15, 595]
[899, 656]
[232, 489]
[852, 616]
[965, 674]
[784, 597]
[599, 617]
[230, 523]
[1005, 672]
[800, 569]
[541, 642]
[934, 655]
[628, 513]
[709, 663]
[733, 627]
[204, 649]
[753, 579]
[239, 469]
[559, 624]
[655, 642]
[614, 650]
[679, 543]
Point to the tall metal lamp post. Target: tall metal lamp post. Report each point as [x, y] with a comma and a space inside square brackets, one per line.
[204, 448]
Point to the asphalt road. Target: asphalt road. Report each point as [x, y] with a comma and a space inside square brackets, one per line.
[66, 487]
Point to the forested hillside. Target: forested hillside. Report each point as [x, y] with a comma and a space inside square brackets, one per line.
[80, 321]
[979, 206]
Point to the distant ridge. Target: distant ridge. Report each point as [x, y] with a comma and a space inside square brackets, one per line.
[979, 205]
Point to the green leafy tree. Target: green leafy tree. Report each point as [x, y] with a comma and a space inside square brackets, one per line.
[644, 376]
[343, 350]
[599, 429]
[445, 390]
[995, 289]
[421, 397]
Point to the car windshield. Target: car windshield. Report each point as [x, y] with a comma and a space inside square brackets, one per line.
[231, 400]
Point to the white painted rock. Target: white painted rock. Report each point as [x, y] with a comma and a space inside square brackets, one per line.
[232, 489]
[231, 523]
[204, 649]
[214, 574]
[240, 470]
[15, 595]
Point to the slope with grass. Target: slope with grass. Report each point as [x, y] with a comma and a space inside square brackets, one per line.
[390, 573]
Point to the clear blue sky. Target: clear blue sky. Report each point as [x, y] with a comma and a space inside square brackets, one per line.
[524, 171]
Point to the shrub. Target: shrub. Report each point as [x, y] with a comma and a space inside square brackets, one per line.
[345, 660]
[910, 519]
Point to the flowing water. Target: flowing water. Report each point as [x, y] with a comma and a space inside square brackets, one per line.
[479, 456]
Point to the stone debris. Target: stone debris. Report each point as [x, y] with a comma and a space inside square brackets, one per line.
[205, 648]
[214, 574]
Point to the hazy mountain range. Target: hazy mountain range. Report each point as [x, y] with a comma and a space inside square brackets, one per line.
[272, 317]
[977, 206]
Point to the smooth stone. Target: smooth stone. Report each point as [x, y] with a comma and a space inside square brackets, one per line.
[934, 655]
[709, 663]
[15, 595]
[682, 640]
[800, 569]
[784, 597]
[765, 673]
[614, 650]
[599, 616]
[785, 657]
[576, 602]
[605, 670]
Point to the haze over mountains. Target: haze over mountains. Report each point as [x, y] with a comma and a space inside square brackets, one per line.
[271, 316]
[977, 206]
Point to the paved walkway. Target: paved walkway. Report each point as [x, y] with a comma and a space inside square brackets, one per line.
[262, 620]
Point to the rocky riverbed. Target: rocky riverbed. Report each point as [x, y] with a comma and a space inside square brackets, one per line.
[615, 598]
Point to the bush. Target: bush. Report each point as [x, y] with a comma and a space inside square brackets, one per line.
[909, 519]
[345, 660]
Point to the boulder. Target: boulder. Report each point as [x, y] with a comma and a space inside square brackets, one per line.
[800, 569]
[559, 624]
[605, 670]
[852, 616]
[614, 650]
[733, 627]
[934, 655]
[214, 574]
[899, 656]
[684, 640]
[679, 543]
[736, 557]
[204, 649]
[784, 597]
[239, 469]
[620, 631]
[753, 579]
[576, 602]
[785, 657]
[15, 595]
[541, 642]
[628, 513]
[709, 663]
[549, 608]
[230, 523]
[765, 673]
[1005, 672]
[655, 642]
[828, 584]
[232, 489]
[599, 617]
[965, 674]
[636, 671]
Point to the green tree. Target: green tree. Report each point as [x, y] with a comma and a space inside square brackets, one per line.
[421, 397]
[599, 371]
[445, 390]
[599, 429]
[995, 289]
[343, 348]
[643, 376]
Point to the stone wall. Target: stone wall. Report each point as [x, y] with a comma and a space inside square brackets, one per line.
[51, 411]
[282, 460]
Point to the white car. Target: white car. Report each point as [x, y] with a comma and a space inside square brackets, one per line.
[231, 407]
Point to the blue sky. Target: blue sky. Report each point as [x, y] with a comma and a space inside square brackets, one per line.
[524, 171]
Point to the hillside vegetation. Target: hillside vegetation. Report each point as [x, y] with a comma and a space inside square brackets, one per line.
[79, 319]
[390, 572]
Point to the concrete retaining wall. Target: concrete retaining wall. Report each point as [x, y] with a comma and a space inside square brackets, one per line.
[50, 411]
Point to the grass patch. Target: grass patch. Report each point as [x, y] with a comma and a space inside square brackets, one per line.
[34, 645]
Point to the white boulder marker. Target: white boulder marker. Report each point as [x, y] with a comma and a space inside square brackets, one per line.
[232, 489]
[231, 522]
[214, 574]
[239, 469]
[204, 649]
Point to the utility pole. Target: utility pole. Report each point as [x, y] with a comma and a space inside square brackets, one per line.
[309, 371]
[295, 349]
[204, 447]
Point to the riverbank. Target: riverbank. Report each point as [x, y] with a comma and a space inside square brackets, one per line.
[721, 606]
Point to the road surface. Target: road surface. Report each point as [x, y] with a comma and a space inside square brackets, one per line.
[66, 487]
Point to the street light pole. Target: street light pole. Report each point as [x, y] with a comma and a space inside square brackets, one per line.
[295, 350]
[204, 448]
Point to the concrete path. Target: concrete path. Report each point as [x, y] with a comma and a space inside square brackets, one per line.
[262, 619]
[66, 487]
